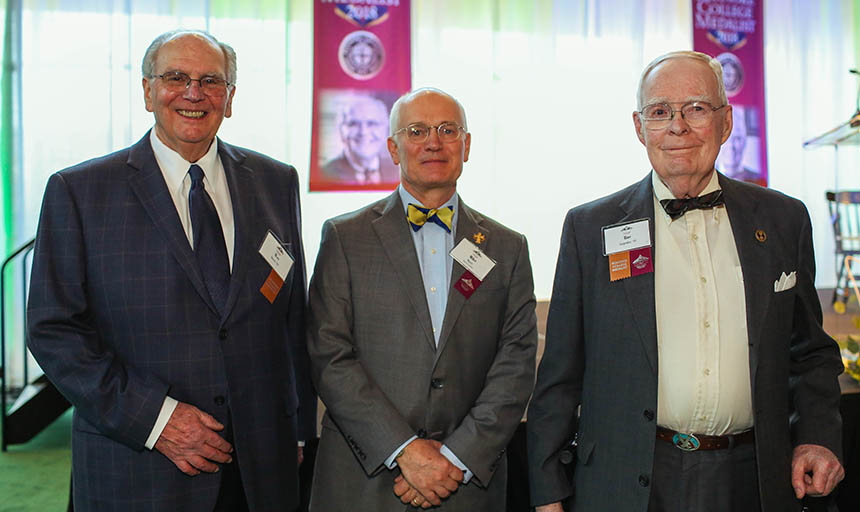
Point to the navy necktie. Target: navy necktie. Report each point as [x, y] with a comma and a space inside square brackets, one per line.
[209, 246]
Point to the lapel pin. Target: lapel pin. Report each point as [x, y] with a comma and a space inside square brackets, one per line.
[479, 237]
[760, 235]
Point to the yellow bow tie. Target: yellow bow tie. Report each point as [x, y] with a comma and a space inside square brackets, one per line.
[418, 216]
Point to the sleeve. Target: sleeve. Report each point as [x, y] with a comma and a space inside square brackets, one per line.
[353, 400]
[552, 418]
[307, 397]
[481, 438]
[121, 400]
[815, 360]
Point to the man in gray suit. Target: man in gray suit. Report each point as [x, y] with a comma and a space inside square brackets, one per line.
[685, 326]
[422, 333]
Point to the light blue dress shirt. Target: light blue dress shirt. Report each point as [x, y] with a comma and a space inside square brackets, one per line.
[433, 245]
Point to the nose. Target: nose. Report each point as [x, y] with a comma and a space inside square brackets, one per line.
[433, 141]
[678, 125]
[193, 91]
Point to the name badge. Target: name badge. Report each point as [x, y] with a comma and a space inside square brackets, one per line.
[476, 263]
[274, 253]
[628, 247]
[473, 259]
[626, 237]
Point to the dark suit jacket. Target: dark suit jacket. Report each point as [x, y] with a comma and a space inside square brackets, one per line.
[601, 352]
[119, 317]
[339, 170]
[383, 379]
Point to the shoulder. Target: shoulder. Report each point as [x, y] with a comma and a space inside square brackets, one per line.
[364, 215]
[768, 199]
[98, 168]
[609, 207]
[256, 161]
[495, 227]
[337, 167]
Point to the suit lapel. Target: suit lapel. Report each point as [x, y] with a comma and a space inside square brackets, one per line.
[640, 289]
[754, 258]
[467, 226]
[244, 201]
[393, 231]
[147, 183]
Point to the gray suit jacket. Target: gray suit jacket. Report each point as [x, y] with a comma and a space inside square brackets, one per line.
[119, 317]
[383, 379]
[601, 353]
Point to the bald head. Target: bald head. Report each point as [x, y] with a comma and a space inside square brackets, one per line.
[394, 118]
[712, 63]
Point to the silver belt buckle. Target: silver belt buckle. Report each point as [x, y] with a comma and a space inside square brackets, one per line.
[686, 442]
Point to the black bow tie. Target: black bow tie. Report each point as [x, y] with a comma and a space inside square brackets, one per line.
[678, 207]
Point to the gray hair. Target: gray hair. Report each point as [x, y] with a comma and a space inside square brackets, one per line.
[394, 117]
[714, 64]
[158, 42]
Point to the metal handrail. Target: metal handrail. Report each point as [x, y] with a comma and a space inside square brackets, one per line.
[3, 369]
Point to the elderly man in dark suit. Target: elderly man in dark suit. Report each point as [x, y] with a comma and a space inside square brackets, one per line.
[422, 334]
[167, 304]
[685, 326]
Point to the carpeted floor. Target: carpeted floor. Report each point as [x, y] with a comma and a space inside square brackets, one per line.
[35, 476]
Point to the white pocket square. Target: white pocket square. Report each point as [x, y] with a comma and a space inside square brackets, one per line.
[785, 282]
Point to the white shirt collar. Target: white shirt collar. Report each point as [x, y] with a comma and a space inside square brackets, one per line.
[175, 168]
[661, 192]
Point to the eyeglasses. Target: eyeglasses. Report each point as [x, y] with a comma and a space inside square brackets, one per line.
[418, 133]
[659, 115]
[175, 81]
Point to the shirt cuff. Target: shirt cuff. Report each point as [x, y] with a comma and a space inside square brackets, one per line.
[448, 454]
[163, 416]
[391, 461]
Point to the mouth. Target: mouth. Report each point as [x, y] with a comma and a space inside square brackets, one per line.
[192, 114]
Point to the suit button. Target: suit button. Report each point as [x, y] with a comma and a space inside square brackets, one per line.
[643, 480]
[436, 384]
[219, 400]
[222, 334]
[649, 414]
[422, 433]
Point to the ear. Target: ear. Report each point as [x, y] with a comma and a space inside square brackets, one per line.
[228, 109]
[468, 144]
[392, 149]
[637, 123]
[147, 94]
[728, 123]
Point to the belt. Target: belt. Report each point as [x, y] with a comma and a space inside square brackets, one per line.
[693, 442]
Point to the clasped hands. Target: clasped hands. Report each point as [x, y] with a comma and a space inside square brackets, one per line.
[191, 442]
[427, 477]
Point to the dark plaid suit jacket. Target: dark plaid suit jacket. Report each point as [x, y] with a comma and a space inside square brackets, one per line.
[119, 317]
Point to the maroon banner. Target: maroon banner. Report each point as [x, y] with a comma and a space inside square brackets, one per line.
[732, 31]
[361, 66]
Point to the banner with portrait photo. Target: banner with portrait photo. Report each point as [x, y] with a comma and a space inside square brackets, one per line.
[732, 31]
[361, 66]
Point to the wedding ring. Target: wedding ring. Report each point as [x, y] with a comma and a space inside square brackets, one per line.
[415, 501]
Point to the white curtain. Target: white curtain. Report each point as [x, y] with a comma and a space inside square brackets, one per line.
[548, 87]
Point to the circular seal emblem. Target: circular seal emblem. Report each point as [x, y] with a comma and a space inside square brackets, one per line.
[361, 55]
[733, 73]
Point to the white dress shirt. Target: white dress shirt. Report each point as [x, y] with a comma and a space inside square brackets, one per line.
[703, 347]
[174, 168]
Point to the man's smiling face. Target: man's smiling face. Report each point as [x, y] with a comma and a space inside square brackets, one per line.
[187, 121]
